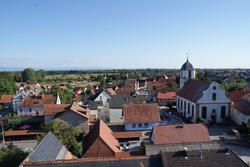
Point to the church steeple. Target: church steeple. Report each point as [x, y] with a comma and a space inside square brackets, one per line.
[187, 72]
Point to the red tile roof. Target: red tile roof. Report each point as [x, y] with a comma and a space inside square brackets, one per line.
[111, 91]
[193, 89]
[166, 96]
[122, 135]
[6, 98]
[52, 109]
[22, 132]
[38, 101]
[172, 134]
[127, 91]
[141, 113]
[101, 131]
[236, 95]
[243, 105]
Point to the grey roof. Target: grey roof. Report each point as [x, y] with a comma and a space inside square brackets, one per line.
[215, 158]
[50, 148]
[187, 66]
[93, 105]
[117, 101]
[129, 162]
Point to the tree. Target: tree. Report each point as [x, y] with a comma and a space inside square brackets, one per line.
[14, 121]
[11, 156]
[7, 87]
[40, 75]
[66, 96]
[70, 137]
[28, 75]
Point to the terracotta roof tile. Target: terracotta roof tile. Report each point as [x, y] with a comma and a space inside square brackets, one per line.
[166, 95]
[38, 101]
[141, 113]
[101, 130]
[6, 98]
[172, 134]
[121, 135]
[127, 91]
[243, 105]
[22, 132]
[236, 95]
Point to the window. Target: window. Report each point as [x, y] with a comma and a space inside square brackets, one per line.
[70, 123]
[37, 112]
[192, 110]
[214, 87]
[81, 122]
[178, 103]
[30, 109]
[181, 104]
[188, 108]
[133, 125]
[145, 125]
[184, 105]
[214, 96]
[204, 112]
[139, 125]
[223, 112]
[189, 74]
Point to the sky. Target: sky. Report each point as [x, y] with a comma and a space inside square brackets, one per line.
[124, 33]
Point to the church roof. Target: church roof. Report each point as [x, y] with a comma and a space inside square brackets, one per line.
[193, 90]
[187, 66]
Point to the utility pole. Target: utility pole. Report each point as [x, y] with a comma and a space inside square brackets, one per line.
[3, 133]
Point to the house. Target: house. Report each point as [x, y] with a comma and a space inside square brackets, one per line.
[111, 91]
[140, 116]
[6, 101]
[27, 91]
[103, 96]
[78, 99]
[74, 114]
[240, 112]
[164, 98]
[203, 100]
[100, 142]
[115, 107]
[79, 90]
[33, 105]
[236, 96]
[181, 133]
[49, 149]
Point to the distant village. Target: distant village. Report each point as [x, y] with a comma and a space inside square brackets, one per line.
[176, 119]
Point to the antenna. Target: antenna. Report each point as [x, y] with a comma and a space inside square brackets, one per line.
[187, 55]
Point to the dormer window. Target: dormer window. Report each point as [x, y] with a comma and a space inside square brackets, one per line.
[214, 96]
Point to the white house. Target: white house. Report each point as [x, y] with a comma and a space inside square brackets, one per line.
[201, 99]
[141, 116]
[33, 105]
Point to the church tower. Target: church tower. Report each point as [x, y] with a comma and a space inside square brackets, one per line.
[187, 72]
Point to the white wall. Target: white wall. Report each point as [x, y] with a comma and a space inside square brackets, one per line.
[150, 126]
[184, 77]
[115, 115]
[26, 111]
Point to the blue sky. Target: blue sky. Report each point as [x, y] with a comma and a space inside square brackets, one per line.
[124, 33]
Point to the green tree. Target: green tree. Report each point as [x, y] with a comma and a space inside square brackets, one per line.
[71, 137]
[66, 96]
[28, 75]
[11, 156]
[14, 121]
[7, 87]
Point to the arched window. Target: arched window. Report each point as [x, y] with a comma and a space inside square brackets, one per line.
[189, 74]
[214, 96]
[188, 108]
[204, 112]
[181, 104]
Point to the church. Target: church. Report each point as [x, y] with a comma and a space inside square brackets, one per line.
[199, 99]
